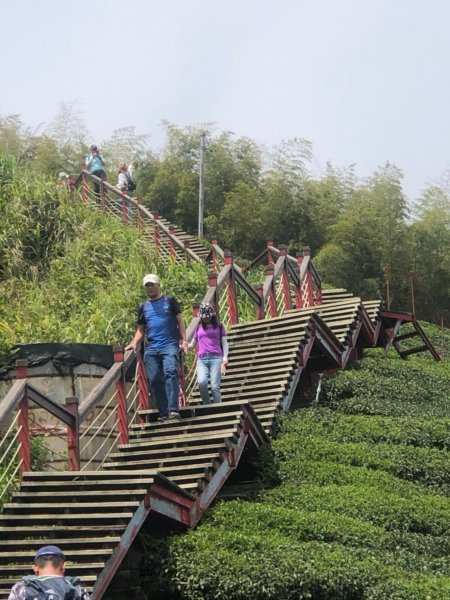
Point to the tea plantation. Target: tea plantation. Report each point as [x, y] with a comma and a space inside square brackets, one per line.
[354, 502]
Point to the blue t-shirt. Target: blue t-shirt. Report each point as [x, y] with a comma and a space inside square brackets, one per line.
[159, 319]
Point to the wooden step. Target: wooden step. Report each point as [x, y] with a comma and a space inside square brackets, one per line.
[192, 438]
[42, 508]
[70, 568]
[16, 557]
[54, 496]
[66, 544]
[168, 471]
[82, 518]
[84, 476]
[162, 460]
[183, 428]
[177, 450]
[416, 350]
[205, 418]
[406, 336]
[74, 486]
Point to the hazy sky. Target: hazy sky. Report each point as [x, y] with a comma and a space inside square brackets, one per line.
[365, 80]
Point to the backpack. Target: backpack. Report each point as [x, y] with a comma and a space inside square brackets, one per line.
[131, 184]
[52, 588]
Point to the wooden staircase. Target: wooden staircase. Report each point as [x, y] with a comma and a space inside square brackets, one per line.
[175, 468]
[169, 468]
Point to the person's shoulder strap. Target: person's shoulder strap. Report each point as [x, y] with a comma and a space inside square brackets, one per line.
[174, 305]
[140, 314]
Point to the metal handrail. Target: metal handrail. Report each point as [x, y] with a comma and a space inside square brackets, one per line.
[91, 425]
[6, 436]
[8, 484]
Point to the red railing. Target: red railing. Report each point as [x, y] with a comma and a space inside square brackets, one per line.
[15, 445]
[168, 242]
[102, 421]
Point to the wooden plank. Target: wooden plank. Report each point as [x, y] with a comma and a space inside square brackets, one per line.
[410, 351]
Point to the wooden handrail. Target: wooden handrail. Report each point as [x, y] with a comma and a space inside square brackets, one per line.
[12, 400]
[20, 389]
[113, 374]
[144, 211]
[52, 407]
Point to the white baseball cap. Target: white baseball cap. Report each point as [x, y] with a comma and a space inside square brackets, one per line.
[150, 278]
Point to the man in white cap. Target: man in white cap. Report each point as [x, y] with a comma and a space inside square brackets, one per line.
[160, 324]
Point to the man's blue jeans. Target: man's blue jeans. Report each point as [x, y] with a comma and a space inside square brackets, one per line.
[208, 370]
[162, 371]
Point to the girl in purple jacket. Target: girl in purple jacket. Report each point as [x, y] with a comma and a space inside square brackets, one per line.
[212, 353]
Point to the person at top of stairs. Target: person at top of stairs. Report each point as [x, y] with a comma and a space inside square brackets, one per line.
[212, 353]
[96, 166]
[48, 581]
[160, 324]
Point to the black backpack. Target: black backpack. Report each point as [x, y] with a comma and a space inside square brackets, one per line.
[131, 184]
[53, 588]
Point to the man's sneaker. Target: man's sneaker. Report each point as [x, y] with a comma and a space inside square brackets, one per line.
[163, 418]
[174, 415]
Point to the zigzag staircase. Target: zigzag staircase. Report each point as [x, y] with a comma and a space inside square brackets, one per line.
[173, 470]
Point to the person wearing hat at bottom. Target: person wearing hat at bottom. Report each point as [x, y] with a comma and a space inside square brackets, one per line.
[210, 338]
[48, 581]
[161, 326]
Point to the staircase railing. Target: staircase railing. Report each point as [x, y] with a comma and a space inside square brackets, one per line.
[15, 447]
[102, 421]
[130, 211]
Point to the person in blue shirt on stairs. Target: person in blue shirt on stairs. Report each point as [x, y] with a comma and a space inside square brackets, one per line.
[161, 326]
[96, 166]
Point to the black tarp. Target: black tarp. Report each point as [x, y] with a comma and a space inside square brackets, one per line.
[63, 356]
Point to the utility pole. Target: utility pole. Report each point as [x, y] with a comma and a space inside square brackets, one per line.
[412, 275]
[201, 186]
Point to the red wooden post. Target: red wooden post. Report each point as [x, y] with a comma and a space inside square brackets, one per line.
[156, 233]
[172, 251]
[285, 280]
[271, 299]
[122, 417]
[308, 280]
[73, 436]
[231, 290]
[142, 384]
[84, 188]
[260, 307]
[214, 255]
[298, 288]
[269, 253]
[212, 283]
[24, 433]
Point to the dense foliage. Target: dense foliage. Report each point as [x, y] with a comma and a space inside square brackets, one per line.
[69, 273]
[356, 508]
[363, 233]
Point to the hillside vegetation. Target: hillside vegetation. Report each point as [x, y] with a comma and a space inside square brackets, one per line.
[355, 504]
[71, 274]
[363, 231]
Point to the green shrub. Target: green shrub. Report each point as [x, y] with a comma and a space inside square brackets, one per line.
[80, 278]
[390, 387]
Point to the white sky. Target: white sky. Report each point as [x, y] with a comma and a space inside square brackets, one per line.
[365, 80]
